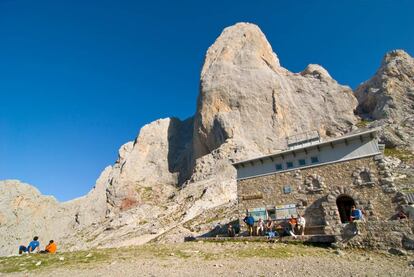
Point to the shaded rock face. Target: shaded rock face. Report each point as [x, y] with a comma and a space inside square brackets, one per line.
[388, 98]
[150, 168]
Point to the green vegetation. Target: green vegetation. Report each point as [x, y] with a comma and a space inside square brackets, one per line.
[205, 251]
[402, 154]
[31, 262]
[146, 193]
[363, 123]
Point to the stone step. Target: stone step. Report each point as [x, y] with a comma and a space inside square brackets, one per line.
[317, 238]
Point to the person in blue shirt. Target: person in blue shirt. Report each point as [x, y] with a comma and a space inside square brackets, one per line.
[31, 247]
[356, 217]
[356, 214]
[249, 220]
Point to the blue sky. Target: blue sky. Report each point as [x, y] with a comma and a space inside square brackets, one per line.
[80, 78]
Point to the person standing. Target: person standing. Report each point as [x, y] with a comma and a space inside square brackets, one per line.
[249, 220]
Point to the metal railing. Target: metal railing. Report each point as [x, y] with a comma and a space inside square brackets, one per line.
[303, 138]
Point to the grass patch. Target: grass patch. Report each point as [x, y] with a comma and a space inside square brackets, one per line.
[206, 251]
[402, 154]
[27, 263]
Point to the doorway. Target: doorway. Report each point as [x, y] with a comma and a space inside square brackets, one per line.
[344, 204]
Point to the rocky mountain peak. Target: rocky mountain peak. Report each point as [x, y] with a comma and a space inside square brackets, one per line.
[395, 55]
[176, 170]
[389, 98]
[317, 71]
[242, 45]
[247, 98]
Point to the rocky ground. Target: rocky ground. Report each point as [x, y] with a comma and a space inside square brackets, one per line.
[212, 259]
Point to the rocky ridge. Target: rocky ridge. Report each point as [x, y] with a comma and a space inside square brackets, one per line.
[176, 179]
[387, 99]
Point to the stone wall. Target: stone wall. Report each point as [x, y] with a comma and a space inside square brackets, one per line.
[380, 235]
[315, 190]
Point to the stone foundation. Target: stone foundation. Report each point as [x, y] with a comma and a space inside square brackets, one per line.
[379, 235]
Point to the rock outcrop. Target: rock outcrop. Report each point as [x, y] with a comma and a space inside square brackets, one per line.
[388, 98]
[175, 171]
[149, 169]
[25, 213]
[249, 104]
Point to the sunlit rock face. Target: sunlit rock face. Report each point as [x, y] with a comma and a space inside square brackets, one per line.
[388, 98]
[249, 103]
[177, 170]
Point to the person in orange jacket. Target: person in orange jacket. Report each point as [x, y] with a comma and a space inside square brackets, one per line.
[50, 248]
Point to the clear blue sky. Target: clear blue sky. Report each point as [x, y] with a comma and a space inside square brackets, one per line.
[79, 78]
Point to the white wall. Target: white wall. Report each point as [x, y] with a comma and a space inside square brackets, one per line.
[326, 154]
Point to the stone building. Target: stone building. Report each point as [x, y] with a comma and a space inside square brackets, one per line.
[319, 179]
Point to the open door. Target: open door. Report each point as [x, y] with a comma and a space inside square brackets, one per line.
[344, 204]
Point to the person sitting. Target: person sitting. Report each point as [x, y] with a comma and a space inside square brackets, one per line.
[356, 218]
[301, 225]
[249, 220]
[230, 231]
[31, 247]
[272, 234]
[260, 227]
[50, 248]
[269, 225]
[292, 223]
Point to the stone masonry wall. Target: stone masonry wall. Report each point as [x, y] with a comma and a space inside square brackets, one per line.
[315, 190]
[380, 235]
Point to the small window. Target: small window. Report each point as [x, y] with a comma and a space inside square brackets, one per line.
[302, 162]
[314, 160]
[271, 214]
[287, 189]
[289, 164]
[279, 167]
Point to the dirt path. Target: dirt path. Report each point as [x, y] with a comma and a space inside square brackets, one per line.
[217, 259]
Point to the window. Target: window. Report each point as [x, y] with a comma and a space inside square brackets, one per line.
[279, 167]
[289, 164]
[287, 189]
[302, 162]
[271, 213]
[365, 177]
[258, 213]
[314, 160]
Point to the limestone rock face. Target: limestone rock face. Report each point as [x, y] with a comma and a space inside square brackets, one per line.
[149, 168]
[25, 213]
[388, 98]
[247, 97]
[175, 171]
